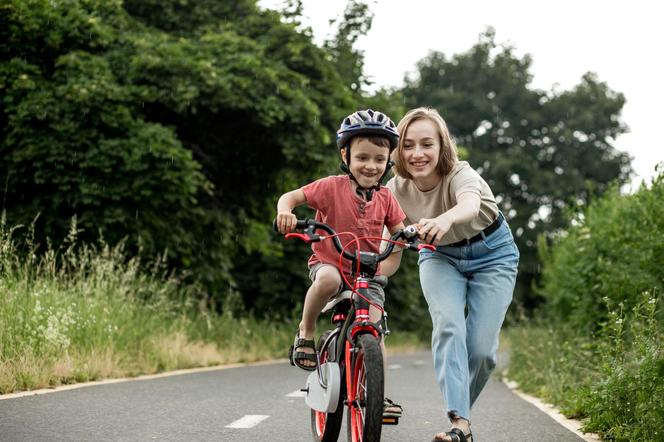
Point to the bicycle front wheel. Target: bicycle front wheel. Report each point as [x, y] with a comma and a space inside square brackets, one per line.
[326, 427]
[365, 417]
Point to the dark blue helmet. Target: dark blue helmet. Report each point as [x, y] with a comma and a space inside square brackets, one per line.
[367, 122]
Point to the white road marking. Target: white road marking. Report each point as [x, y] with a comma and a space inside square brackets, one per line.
[394, 366]
[571, 424]
[297, 393]
[248, 421]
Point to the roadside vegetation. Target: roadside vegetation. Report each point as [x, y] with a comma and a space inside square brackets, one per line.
[165, 134]
[86, 311]
[597, 348]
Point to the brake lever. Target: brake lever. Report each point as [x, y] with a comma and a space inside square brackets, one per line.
[410, 234]
[420, 246]
[301, 236]
[308, 236]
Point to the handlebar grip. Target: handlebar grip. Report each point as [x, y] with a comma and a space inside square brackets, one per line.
[301, 224]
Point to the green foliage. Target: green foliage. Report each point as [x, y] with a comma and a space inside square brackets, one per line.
[601, 354]
[349, 61]
[172, 124]
[612, 379]
[555, 363]
[87, 311]
[612, 254]
[539, 151]
[626, 404]
[387, 100]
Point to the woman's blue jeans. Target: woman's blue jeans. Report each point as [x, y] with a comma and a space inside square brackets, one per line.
[468, 290]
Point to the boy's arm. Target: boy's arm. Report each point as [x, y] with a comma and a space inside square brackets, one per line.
[286, 220]
[392, 263]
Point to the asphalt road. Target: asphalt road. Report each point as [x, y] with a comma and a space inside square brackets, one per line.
[255, 403]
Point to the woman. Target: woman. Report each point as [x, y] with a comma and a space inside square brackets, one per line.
[469, 280]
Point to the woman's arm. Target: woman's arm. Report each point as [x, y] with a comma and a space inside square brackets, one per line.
[286, 219]
[467, 208]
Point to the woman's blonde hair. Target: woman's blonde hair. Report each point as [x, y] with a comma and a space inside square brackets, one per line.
[448, 152]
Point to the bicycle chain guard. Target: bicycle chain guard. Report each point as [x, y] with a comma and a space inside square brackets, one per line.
[318, 397]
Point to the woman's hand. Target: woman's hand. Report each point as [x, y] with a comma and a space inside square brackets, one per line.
[286, 222]
[432, 230]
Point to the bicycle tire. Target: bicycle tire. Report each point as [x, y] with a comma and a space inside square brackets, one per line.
[365, 414]
[325, 427]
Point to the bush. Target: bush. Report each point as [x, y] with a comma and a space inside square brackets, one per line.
[597, 351]
[626, 403]
[613, 380]
[615, 252]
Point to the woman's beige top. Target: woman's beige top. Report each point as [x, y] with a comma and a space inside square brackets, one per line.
[432, 203]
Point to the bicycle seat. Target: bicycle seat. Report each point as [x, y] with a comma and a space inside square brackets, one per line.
[336, 299]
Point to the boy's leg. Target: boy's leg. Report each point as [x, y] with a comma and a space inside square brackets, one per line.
[326, 283]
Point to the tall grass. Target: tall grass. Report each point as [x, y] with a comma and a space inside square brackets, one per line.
[84, 312]
[613, 380]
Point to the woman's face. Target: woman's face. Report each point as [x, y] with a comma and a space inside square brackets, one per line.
[421, 149]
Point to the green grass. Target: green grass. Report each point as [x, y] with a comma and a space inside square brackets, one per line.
[613, 381]
[84, 312]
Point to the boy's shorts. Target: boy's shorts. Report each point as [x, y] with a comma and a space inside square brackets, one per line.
[375, 294]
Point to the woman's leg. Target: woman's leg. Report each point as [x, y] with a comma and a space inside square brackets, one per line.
[489, 295]
[445, 291]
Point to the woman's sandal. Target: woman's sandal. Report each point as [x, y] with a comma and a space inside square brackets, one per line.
[296, 357]
[456, 435]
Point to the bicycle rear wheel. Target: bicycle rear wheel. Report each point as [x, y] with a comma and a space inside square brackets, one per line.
[365, 417]
[326, 427]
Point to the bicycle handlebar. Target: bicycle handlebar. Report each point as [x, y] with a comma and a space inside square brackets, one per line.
[309, 226]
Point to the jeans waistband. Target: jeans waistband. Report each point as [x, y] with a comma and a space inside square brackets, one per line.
[487, 231]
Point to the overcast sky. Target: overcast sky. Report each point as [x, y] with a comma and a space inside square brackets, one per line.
[622, 41]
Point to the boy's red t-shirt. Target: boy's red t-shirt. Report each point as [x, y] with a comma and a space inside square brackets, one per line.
[337, 205]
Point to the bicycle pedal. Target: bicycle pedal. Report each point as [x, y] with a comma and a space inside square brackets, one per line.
[390, 420]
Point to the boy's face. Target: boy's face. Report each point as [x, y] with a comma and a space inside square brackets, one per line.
[367, 161]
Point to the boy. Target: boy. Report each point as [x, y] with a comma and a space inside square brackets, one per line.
[355, 202]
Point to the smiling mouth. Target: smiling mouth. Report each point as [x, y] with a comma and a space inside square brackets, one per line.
[419, 163]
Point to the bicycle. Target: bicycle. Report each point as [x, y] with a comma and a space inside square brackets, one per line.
[351, 350]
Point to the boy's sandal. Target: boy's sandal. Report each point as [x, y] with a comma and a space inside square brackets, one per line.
[391, 409]
[296, 357]
[456, 435]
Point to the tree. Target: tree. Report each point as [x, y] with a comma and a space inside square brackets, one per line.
[173, 124]
[541, 152]
[349, 61]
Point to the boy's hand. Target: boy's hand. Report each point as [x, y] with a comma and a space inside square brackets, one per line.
[286, 222]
